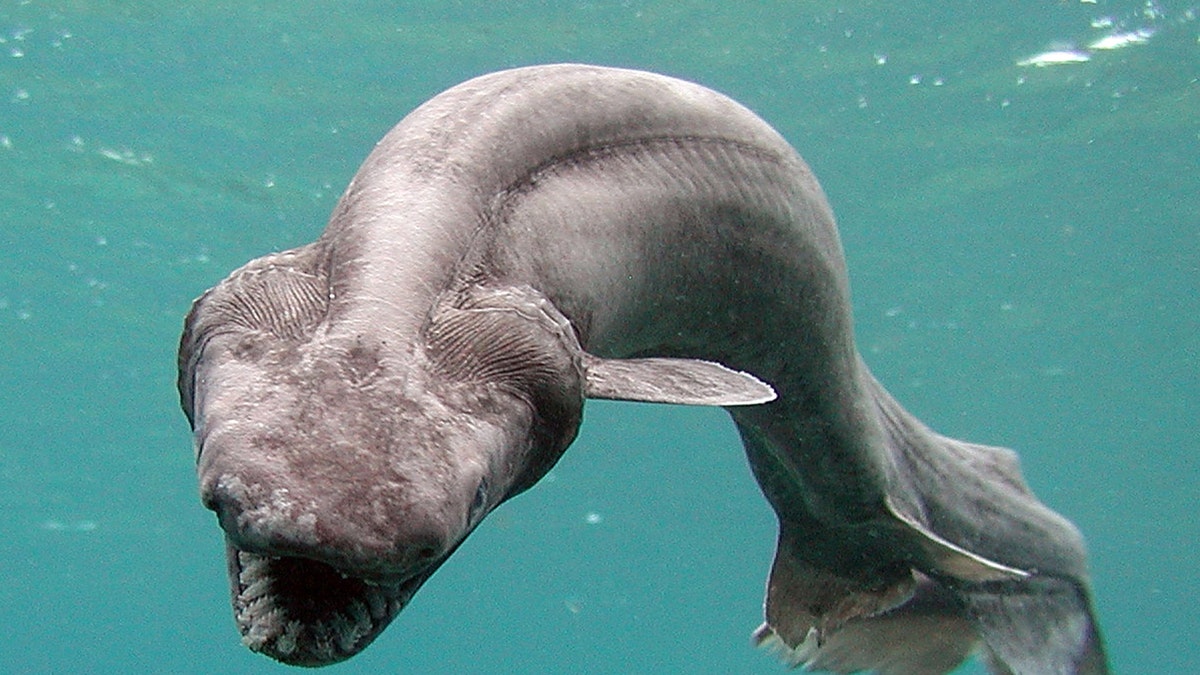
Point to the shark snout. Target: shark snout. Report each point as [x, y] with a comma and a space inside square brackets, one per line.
[359, 539]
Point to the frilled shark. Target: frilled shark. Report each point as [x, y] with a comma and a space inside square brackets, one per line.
[536, 237]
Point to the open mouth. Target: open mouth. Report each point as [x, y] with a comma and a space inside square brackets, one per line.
[305, 613]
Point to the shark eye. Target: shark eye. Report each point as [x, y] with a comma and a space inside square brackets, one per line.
[480, 500]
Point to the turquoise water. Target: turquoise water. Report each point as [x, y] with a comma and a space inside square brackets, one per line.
[1024, 248]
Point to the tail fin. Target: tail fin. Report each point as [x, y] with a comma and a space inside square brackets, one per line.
[965, 558]
[973, 499]
[1038, 625]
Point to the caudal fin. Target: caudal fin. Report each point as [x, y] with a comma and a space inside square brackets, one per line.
[970, 557]
[973, 516]
[1042, 625]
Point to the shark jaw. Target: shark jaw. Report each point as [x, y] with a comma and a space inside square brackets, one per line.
[306, 613]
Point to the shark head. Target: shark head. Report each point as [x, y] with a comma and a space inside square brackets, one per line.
[346, 461]
[345, 466]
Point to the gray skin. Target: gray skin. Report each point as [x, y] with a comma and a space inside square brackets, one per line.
[538, 236]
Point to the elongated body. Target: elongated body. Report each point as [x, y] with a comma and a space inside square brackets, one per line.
[537, 236]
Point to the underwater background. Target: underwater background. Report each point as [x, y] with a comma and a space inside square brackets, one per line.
[1018, 190]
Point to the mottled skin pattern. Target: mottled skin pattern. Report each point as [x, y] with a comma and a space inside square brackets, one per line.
[537, 236]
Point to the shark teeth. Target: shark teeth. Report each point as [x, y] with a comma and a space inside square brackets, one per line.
[304, 612]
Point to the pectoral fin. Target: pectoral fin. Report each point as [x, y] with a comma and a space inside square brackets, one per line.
[666, 380]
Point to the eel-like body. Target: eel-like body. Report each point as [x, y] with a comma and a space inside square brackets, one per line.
[538, 236]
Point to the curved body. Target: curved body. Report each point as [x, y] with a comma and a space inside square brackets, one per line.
[537, 236]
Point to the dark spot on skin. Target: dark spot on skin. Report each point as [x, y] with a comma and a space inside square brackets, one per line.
[361, 364]
[248, 348]
[427, 554]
